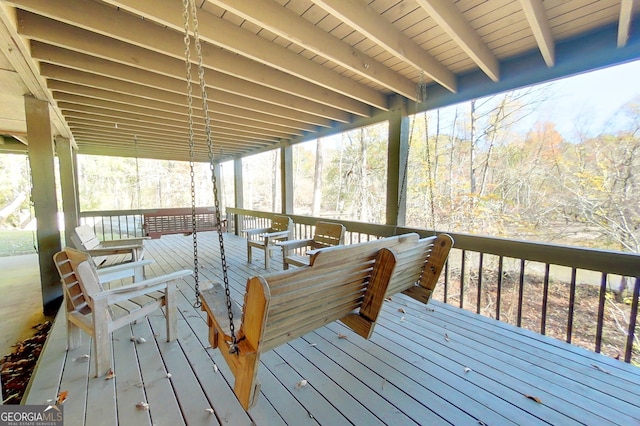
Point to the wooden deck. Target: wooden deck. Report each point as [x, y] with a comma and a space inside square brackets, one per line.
[432, 364]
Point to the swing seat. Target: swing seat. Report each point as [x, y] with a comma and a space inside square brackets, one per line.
[347, 283]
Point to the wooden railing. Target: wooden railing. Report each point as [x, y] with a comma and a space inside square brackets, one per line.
[569, 293]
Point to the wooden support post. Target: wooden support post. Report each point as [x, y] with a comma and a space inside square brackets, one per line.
[45, 203]
[238, 193]
[68, 185]
[398, 150]
[286, 179]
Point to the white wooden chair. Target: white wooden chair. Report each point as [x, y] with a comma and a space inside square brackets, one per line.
[326, 234]
[99, 312]
[265, 239]
[85, 239]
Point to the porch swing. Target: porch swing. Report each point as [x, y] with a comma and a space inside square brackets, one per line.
[347, 283]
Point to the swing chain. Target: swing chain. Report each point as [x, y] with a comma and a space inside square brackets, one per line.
[187, 55]
[233, 348]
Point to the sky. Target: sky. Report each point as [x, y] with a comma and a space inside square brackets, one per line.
[590, 100]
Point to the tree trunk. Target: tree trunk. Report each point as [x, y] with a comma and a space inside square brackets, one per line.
[317, 180]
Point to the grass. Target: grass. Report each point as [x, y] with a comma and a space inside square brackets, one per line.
[13, 243]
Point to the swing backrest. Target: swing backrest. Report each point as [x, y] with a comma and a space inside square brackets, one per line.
[285, 305]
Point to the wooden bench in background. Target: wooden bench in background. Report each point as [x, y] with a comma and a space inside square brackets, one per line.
[179, 221]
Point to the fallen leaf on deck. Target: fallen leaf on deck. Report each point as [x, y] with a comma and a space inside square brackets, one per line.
[209, 410]
[597, 367]
[215, 368]
[341, 336]
[401, 319]
[301, 383]
[142, 406]
[388, 299]
[141, 340]
[534, 398]
[401, 311]
[168, 375]
[430, 310]
[446, 337]
[62, 397]
[110, 375]
[480, 422]
[467, 369]
[82, 358]
[313, 345]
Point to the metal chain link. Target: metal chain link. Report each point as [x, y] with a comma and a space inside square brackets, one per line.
[187, 54]
[233, 348]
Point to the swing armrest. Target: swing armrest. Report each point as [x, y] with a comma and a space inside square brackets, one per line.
[214, 301]
[117, 294]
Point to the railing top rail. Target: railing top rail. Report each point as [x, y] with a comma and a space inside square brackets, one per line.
[610, 261]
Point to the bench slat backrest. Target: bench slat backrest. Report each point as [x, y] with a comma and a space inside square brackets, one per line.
[328, 234]
[84, 238]
[301, 300]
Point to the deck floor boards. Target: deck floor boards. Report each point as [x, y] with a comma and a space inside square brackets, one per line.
[432, 364]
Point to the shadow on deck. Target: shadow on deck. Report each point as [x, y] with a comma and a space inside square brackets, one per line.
[434, 364]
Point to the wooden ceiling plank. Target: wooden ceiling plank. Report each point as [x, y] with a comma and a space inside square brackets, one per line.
[228, 113]
[453, 22]
[127, 27]
[74, 76]
[81, 40]
[287, 24]
[16, 49]
[362, 18]
[177, 82]
[537, 18]
[165, 115]
[114, 25]
[114, 115]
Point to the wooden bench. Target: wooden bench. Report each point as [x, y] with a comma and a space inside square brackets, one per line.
[285, 305]
[179, 221]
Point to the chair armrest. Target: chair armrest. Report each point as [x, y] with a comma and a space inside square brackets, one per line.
[276, 235]
[294, 244]
[115, 295]
[132, 242]
[112, 250]
[255, 231]
[124, 270]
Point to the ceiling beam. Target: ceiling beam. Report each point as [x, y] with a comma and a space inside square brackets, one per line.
[365, 20]
[227, 112]
[57, 72]
[16, 49]
[452, 21]
[624, 23]
[146, 33]
[177, 83]
[537, 17]
[288, 25]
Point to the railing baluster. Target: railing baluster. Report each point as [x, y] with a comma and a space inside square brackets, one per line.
[479, 299]
[601, 301]
[446, 281]
[632, 321]
[499, 289]
[520, 292]
[572, 302]
[545, 296]
[462, 264]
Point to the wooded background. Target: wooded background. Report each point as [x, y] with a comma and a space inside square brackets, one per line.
[481, 167]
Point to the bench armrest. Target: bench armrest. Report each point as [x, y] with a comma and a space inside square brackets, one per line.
[126, 242]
